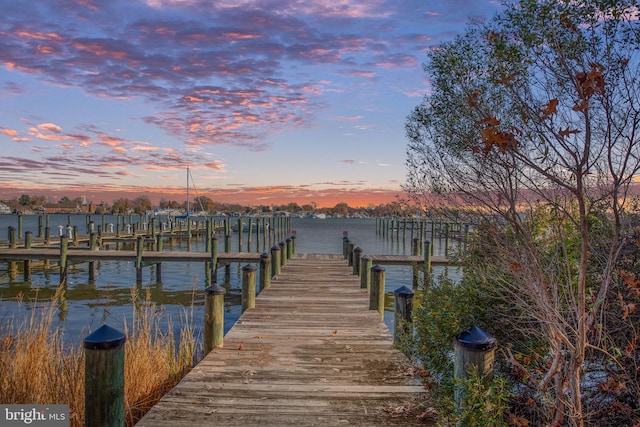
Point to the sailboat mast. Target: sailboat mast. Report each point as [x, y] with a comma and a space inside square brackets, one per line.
[187, 191]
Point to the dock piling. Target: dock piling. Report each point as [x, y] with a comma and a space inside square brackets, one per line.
[376, 297]
[104, 377]
[275, 261]
[402, 314]
[357, 255]
[213, 318]
[265, 271]
[248, 287]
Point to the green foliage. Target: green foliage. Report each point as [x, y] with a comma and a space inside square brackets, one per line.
[482, 403]
[443, 310]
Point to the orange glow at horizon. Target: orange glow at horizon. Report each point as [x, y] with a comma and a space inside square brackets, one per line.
[256, 196]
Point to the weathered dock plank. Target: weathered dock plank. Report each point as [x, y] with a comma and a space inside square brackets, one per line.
[310, 353]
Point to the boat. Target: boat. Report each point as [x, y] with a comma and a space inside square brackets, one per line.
[188, 213]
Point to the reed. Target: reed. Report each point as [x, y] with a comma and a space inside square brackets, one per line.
[38, 367]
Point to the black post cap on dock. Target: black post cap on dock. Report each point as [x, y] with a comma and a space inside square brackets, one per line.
[403, 291]
[215, 289]
[104, 338]
[475, 338]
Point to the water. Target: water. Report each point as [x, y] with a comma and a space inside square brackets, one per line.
[108, 298]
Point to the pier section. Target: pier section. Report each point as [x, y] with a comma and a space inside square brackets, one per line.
[310, 353]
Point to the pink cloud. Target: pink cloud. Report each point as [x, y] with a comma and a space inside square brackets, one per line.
[9, 132]
[50, 127]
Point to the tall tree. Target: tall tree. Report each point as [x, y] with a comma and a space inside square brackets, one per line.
[537, 112]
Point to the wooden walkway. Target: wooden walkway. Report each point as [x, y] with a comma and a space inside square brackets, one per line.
[310, 353]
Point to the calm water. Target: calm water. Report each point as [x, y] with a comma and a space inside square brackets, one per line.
[89, 304]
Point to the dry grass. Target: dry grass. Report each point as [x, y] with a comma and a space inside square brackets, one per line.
[37, 368]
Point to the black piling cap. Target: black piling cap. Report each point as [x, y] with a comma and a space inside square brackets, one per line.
[403, 291]
[215, 289]
[475, 338]
[249, 267]
[104, 338]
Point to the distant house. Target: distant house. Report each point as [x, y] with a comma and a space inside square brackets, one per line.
[4, 209]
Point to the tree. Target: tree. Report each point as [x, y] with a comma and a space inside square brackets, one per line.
[121, 206]
[65, 201]
[341, 209]
[141, 204]
[24, 200]
[532, 125]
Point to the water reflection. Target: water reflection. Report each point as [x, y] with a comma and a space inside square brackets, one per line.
[86, 304]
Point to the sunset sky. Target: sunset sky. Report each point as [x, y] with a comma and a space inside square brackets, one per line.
[266, 101]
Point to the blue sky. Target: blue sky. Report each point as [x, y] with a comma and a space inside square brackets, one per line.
[267, 102]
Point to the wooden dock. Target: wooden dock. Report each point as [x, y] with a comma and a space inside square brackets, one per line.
[407, 260]
[310, 353]
[150, 257]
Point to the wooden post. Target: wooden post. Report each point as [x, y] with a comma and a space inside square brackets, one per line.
[283, 253]
[352, 246]
[415, 246]
[293, 244]
[239, 234]
[275, 261]
[473, 349]
[265, 271]
[466, 233]
[104, 377]
[258, 225]
[213, 317]
[248, 287]
[227, 229]
[93, 243]
[404, 228]
[40, 227]
[214, 259]
[13, 266]
[376, 297]
[28, 236]
[159, 242]
[345, 247]
[139, 249]
[76, 236]
[357, 255]
[151, 231]
[446, 239]
[289, 248]
[64, 248]
[12, 238]
[207, 241]
[402, 313]
[427, 256]
[365, 273]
